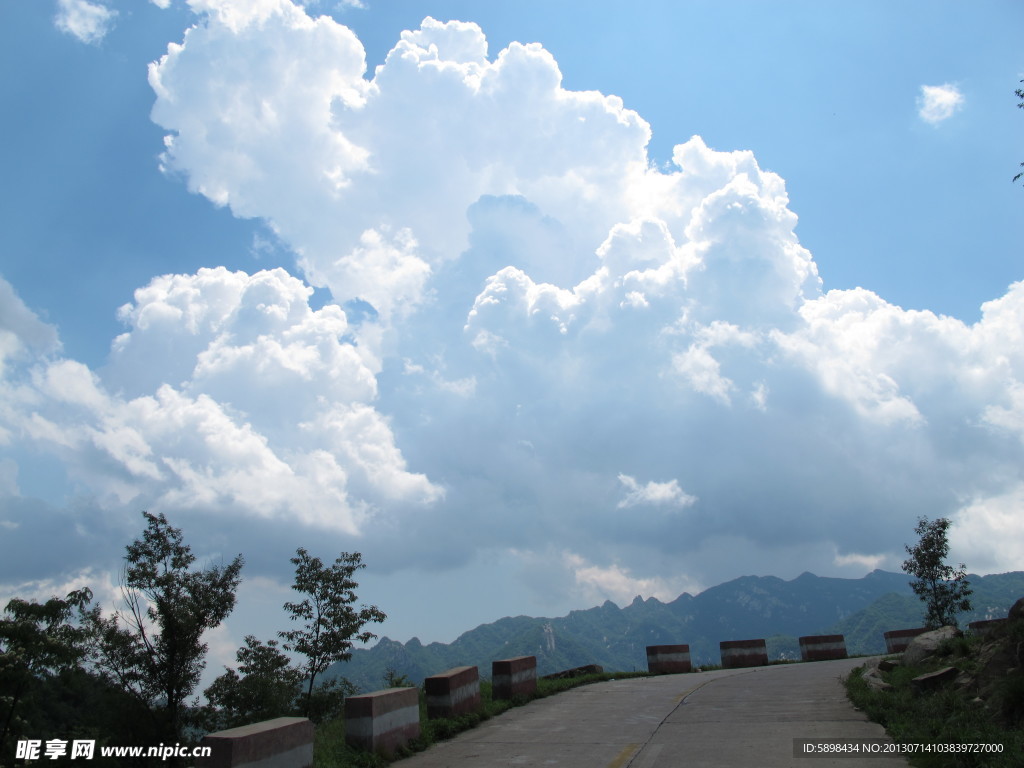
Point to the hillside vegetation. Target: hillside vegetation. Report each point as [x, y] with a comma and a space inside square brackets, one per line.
[969, 691]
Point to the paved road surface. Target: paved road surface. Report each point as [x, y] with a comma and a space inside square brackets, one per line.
[743, 718]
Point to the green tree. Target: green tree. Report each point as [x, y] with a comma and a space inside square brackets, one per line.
[265, 686]
[330, 622]
[394, 679]
[944, 590]
[1020, 95]
[153, 647]
[37, 642]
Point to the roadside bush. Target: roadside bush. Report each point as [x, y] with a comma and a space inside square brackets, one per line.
[945, 716]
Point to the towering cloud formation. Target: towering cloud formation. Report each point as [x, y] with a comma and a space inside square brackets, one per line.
[227, 395]
[541, 344]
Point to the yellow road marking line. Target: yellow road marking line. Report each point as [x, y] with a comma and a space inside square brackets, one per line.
[623, 756]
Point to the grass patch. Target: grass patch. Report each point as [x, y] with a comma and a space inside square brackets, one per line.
[331, 751]
[944, 716]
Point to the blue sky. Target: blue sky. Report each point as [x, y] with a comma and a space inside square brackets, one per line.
[558, 305]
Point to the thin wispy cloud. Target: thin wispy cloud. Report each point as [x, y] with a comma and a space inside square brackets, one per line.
[938, 103]
[613, 582]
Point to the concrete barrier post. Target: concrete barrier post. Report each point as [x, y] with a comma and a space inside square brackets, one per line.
[284, 742]
[668, 659]
[743, 653]
[513, 677]
[452, 693]
[382, 721]
[822, 647]
[897, 640]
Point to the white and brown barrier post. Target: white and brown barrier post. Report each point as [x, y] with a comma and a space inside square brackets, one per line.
[822, 647]
[382, 721]
[668, 659]
[285, 742]
[452, 693]
[743, 653]
[897, 640]
[513, 677]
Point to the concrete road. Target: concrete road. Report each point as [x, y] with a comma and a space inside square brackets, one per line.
[721, 719]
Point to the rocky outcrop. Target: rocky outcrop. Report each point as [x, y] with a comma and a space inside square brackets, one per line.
[927, 644]
[988, 670]
[997, 661]
[1016, 611]
[873, 675]
[932, 680]
[888, 665]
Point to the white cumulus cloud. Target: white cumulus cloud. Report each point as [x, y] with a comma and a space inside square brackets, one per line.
[89, 22]
[939, 102]
[613, 318]
[986, 532]
[527, 317]
[653, 493]
[227, 393]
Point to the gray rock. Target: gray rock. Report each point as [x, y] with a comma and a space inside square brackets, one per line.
[1016, 610]
[928, 643]
[873, 677]
[876, 683]
[933, 680]
[965, 682]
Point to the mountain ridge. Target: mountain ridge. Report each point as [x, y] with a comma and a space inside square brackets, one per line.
[746, 607]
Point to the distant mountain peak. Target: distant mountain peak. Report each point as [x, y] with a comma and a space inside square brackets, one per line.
[751, 606]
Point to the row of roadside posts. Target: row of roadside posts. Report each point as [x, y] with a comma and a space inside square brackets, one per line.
[384, 721]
